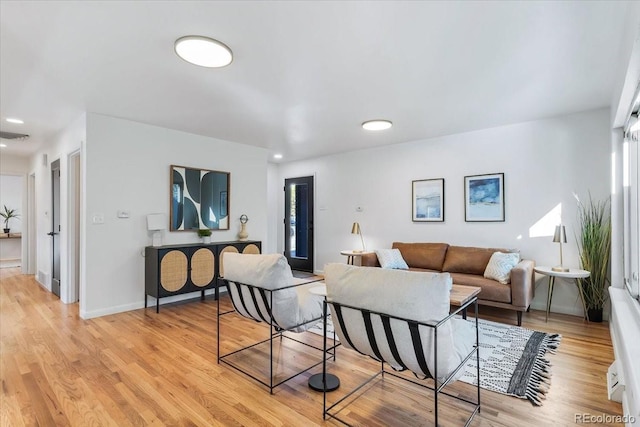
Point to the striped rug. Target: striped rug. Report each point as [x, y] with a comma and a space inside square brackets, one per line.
[512, 361]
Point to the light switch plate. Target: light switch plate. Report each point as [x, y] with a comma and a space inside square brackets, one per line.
[97, 218]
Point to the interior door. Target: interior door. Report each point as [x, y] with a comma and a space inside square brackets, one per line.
[298, 222]
[55, 227]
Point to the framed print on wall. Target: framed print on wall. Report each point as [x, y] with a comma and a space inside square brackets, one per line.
[199, 198]
[428, 200]
[484, 198]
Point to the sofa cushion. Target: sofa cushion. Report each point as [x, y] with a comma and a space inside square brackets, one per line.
[491, 290]
[430, 256]
[471, 260]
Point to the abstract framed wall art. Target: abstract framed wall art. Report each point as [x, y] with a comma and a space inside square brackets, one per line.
[484, 198]
[199, 199]
[427, 200]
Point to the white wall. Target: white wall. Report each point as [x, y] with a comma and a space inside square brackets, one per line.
[544, 163]
[70, 140]
[127, 168]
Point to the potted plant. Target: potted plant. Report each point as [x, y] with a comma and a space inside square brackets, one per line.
[205, 235]
[594, 245]
[7, 214]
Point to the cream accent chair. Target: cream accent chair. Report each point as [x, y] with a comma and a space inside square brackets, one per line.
[401, 319]
[261, 288]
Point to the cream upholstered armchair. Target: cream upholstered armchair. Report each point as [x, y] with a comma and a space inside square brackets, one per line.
[401, 319]
[261, 288]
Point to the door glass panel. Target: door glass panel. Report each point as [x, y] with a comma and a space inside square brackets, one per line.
[299, 221]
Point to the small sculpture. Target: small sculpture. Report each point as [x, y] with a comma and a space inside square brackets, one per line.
[243, 235]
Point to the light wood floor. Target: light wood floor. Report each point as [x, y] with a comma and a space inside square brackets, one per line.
[143, 368]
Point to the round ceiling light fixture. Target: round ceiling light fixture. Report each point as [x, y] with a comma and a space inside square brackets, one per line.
[277, 156]
[16, 121]
[377, 124]
[203, 51]
[3, 145]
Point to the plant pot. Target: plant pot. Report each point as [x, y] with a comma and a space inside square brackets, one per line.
[595, 315]
[6, 230]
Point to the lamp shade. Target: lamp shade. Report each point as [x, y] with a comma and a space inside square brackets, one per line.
[355, 229]
[560, 234]
[156, 222]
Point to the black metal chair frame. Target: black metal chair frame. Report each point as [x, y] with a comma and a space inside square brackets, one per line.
[275, 332]
[436, 388]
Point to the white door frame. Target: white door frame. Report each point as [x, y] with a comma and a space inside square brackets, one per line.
[74, 203]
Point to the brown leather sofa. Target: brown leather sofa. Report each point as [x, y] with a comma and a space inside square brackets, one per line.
[466, 266]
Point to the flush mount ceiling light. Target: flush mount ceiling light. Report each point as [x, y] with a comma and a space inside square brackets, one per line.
[203, 51]
[16, 121]
[3, 145]
[377, 124]
[277, 156]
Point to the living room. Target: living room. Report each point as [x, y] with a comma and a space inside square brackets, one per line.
[546, 162]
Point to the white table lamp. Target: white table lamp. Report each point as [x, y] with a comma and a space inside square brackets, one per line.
[157, 223]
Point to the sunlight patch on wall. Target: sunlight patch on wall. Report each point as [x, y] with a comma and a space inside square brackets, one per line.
[547, 224]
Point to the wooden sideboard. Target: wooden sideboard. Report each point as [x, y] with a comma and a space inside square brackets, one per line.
[180, 269]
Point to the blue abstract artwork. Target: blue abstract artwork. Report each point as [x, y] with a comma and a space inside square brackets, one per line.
[484, 197]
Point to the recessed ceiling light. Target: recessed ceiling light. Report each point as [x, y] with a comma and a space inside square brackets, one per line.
[203, 51]
[277, 156]
[3, 145]
[377, 124]
[16, 121]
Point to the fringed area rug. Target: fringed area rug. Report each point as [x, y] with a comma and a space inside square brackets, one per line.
[512, 361]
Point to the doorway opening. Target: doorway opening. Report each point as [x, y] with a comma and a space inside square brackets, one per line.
[298, 221]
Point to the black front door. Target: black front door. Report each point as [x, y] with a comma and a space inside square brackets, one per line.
[298, 222]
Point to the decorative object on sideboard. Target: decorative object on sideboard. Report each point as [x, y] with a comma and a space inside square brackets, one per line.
[157, 223]
[594, 244]
[205, 235]
[560, 236]
[199, 198]
[7, 214]
[484, 198]
[355, 229]
[428, 200]
[243, 235]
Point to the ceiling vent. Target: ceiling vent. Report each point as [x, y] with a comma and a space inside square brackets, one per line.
[11, 135]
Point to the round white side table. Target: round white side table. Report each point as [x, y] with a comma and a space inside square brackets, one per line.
[573, 273]
[351, 255]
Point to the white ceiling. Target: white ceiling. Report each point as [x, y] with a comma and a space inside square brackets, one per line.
[306, 74]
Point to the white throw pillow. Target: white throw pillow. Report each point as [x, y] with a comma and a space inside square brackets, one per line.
[500, 265]
[391, 258]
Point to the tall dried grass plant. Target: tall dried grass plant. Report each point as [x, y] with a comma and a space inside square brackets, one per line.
[594, 244]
